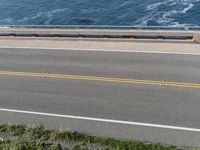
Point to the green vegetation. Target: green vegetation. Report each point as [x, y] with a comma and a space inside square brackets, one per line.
[16, 137]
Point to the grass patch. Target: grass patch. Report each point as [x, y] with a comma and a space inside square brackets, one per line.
[14, 130]
[37, 133]
[29, 145]
[39, 138]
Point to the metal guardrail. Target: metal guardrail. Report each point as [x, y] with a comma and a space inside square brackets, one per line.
[182, 28]
[153, 33]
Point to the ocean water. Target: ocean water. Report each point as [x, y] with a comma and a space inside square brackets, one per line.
[100, 12]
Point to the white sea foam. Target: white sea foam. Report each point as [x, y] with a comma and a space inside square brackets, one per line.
[190, 6]
[156, 5]
[126, 3]
[166, 17]
[7, 20]
[4, 27]
[49, 15]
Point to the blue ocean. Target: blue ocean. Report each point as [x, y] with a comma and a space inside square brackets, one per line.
[100, 12]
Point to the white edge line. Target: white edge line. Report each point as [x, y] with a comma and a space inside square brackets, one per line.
[99, 50]
[102, 120]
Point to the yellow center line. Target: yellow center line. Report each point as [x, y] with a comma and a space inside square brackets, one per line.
[104, 79]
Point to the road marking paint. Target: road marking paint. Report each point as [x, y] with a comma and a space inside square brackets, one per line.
[93, 78]
[105, 50]
[103, 79]
[102, 120]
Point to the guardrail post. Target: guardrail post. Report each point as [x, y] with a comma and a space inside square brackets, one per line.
[197, 38]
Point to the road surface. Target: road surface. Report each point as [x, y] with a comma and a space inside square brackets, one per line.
[128, 95]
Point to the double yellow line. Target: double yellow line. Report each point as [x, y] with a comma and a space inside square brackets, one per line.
[103, 79]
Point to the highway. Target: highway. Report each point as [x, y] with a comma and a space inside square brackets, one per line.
[129, 95]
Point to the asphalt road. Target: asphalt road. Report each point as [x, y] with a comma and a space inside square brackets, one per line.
[150, 105]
